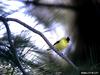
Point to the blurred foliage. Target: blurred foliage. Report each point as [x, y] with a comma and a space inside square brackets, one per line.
[48, 15]
[42, 63]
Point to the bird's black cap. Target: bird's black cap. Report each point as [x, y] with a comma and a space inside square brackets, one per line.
[68, 39]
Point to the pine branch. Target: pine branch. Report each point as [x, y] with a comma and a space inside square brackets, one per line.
[13, 50]
[2, 44]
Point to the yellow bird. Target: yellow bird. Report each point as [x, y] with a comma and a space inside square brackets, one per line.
[62, 43]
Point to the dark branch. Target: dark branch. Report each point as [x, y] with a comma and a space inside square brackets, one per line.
[63, 6]
[8, 30]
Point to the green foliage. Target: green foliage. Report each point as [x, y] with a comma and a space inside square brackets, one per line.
[20, 43]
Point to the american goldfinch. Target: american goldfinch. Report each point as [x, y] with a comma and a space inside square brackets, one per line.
[61, 44]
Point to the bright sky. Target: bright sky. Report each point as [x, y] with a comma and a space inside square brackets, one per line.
[55, 34]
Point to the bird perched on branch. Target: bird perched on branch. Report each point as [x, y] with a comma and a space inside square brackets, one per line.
[61, 44]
